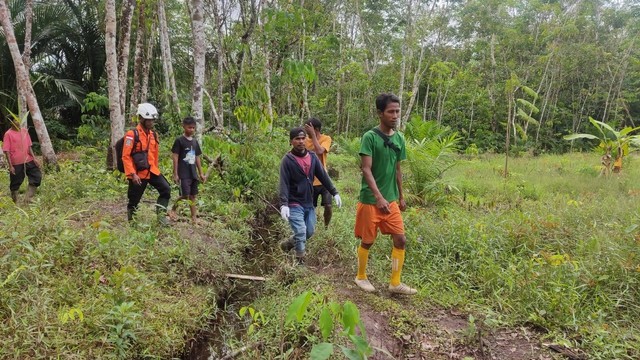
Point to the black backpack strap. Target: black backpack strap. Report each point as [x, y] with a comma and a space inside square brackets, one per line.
[136, 139]
[387, 141]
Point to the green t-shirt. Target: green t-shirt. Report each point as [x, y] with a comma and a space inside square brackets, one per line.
[383, 165]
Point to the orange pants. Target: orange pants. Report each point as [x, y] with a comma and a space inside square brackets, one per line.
[369, 219]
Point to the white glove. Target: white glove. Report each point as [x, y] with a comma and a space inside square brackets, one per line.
[338, 200]
[284, 212]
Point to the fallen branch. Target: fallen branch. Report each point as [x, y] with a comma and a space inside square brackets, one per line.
[213, 164]
[246, 277]
[241, 350]
[566, 352]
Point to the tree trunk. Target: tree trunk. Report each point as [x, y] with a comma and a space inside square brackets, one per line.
[492, 88]
[221, 61]
[267, 88]
[124, 45]
[507, 138]
[305, 84]
[214, 113]
[244, 40]
[167, 60]
[26, 59]
[197, 26]
[22, 77]
[417, 75]
[425, 104]
[137, 60]
[406, 53]
[148, 55]
[115, 111]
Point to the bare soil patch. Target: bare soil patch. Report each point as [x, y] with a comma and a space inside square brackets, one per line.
[411, 328]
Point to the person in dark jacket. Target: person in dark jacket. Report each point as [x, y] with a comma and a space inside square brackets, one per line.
[297, 171]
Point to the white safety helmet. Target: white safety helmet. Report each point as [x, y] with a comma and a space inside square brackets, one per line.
[147, 111]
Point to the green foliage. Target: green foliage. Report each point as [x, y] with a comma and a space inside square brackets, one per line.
[251, 110]
[472, 150]
[611, 141]
[121, 321]
[247, 172]
[546, 246]
[418, 130]
[349, 146]
[431, 151]
[348, 317]
[256, 318]
[96, 125]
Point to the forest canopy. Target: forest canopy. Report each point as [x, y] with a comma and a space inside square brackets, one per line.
[540, 67]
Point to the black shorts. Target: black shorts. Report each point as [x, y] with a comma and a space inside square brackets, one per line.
[189, 187]
[30, 170]
[319, 190]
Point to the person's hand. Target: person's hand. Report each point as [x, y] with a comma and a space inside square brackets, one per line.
[36, 162]
[383, 205]
[284, 213]
[402, 205]
[310, 130]
[338, 200]
[176, 179]
[203, 178]
[12, 170]
[136, 179]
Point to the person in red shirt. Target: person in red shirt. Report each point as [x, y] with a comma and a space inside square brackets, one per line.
[297, 171]
[140, 159]
[16, 145]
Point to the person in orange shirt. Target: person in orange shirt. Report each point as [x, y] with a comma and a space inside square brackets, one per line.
[320, 144]
[140, 158]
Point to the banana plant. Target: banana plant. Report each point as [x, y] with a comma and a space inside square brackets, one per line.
[620, 142]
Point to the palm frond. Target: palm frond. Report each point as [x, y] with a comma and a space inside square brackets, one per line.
[64, 86]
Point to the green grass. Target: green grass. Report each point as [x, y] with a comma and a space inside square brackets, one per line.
[77, 282]
[552, 246]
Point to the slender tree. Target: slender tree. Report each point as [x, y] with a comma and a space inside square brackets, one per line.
[128, 8]
[115, 110]
[22, 78]
[197, 28]
[147, 57]
[138, 57]
[218, 14]
[167, 59]
[26, 59]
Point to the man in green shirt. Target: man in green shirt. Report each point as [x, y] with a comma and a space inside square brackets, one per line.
[381, 199]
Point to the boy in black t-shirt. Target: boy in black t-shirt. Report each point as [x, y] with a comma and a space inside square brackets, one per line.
[187, 169]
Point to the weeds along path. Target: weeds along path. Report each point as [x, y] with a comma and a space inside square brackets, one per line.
[404, 327]
[203, 255]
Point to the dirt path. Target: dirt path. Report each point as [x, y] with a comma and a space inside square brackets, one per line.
[407, 328]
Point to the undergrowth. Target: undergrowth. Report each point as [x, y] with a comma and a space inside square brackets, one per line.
[552, 246]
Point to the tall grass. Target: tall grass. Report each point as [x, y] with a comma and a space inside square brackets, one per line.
[552, 246]
[78, 282]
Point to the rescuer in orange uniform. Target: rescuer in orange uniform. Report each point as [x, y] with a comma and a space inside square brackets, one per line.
[140, 158]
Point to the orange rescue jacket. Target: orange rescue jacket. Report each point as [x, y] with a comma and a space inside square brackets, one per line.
[148, 142]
